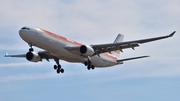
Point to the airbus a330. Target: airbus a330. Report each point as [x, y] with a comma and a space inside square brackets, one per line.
[60, 48]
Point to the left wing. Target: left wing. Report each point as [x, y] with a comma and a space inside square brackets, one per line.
[101, 48]
[19, 56]
[43, 54]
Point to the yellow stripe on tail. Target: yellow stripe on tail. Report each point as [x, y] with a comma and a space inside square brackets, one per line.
[118, 39]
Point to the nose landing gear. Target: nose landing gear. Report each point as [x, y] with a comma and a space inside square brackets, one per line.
[30, 49]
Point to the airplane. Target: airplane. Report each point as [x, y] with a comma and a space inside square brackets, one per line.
[60, 48]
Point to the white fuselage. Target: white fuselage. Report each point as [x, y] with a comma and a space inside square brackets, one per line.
[56, 44]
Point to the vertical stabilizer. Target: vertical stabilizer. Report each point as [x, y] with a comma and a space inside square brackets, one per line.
[118, 39]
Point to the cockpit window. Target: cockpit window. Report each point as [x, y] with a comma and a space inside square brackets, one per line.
[26, 28]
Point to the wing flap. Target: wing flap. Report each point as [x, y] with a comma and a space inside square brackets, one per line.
[114, 47]
[46, 55]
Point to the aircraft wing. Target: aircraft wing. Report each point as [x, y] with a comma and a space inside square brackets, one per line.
[19, 56]
[101, 48]
[46, 55]
[43, 54]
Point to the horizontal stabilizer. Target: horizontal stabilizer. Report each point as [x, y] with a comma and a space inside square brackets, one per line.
[132, 58]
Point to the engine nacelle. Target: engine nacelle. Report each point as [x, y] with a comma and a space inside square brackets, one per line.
[86, 50]
[33, 56]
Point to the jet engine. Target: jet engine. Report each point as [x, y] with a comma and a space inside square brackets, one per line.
[86, 50]
[33, 56]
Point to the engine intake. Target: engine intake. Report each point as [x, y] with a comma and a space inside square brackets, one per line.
[86, 50]
[33, 56]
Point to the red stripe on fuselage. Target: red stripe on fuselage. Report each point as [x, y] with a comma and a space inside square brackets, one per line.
[60, 37]
[74, 43]
[109, 56]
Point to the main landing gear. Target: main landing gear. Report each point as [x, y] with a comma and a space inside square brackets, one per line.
[58, 67]
[89, 64]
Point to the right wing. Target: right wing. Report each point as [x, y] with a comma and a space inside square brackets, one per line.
[101, 48]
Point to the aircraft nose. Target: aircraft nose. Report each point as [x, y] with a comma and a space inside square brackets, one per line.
[26, 33]
[24, 29]
[21, 32]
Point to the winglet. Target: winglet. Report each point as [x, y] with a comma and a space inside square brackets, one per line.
[172, 34]
[6, 54]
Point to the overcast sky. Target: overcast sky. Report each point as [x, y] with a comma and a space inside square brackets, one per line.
[156, 78]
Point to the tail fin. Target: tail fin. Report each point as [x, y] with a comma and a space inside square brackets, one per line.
[119, 38]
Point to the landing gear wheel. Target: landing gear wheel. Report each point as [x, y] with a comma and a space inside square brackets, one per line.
[85, 63]
[92, 67]
[88, 67]
[55, 67]
[62, 70]
[59, 66]
[58, 71]
[31, 49]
